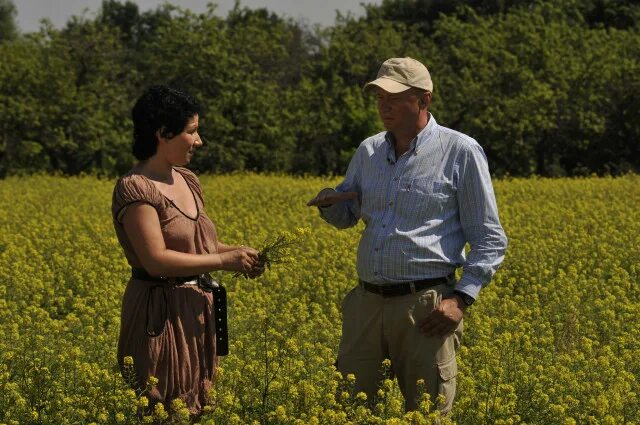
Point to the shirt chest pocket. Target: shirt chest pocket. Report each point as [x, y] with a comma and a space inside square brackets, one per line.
[424, 198]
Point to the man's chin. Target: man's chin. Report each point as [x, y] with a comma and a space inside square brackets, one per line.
[387, 123]
[388, 126]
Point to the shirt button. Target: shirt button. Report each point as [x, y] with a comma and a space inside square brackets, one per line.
[384, 225]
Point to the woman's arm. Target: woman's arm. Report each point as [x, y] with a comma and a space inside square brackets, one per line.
[142, 226]
[226, 248]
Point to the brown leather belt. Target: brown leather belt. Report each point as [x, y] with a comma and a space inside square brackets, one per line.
[142, 274]
[404, 288]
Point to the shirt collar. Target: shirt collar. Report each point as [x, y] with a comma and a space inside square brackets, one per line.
[416, 144]
[425, 134]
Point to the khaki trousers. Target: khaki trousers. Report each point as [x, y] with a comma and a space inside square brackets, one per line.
[375, 328]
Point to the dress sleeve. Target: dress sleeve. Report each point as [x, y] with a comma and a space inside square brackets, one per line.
[133, 189]
[193, 181]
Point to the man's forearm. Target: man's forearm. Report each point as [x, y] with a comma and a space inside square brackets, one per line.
[487, 252]
[339, 215]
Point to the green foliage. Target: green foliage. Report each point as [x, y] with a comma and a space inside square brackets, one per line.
[547, 88]
[608, 13]
[8, 29]
[62, 107]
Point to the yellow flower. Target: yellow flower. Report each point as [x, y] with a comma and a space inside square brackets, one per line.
[159, 412]
[570, 242]
[143, 402]
[281, 413]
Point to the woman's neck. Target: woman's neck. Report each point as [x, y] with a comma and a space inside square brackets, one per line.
[156, 169]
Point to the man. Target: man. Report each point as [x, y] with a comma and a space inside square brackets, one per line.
[423, 191]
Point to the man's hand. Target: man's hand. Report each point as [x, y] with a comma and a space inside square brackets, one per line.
[444, 319]
[327, 197]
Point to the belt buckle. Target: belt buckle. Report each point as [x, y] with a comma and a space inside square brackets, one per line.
[206, 282]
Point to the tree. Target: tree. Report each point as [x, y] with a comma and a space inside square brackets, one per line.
[548, 88]
[8, 28]
[135, 28]
[534, 87]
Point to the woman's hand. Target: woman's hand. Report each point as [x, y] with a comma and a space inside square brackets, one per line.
[243, 260]
[256, 271]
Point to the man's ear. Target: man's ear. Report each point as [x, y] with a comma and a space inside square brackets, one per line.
[425, 100]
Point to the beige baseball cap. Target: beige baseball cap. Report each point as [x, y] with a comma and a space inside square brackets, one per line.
[399, 74]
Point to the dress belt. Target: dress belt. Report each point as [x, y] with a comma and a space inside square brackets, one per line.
[206, 283]
[142, 274]
[404, 288]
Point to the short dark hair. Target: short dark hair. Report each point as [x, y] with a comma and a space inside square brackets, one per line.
[159, 108]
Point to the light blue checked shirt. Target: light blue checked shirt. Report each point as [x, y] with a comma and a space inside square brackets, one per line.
[420, 209]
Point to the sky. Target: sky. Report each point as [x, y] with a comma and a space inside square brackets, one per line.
[322, 12]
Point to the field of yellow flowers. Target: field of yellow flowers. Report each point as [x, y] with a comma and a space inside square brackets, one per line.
[555, 338]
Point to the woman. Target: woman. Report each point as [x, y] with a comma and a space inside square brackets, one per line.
[171, 312]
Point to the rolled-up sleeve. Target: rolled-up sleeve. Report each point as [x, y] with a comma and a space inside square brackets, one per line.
[480, 222]
[346, 213]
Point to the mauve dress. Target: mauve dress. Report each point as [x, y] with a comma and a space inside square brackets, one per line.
[169, 330]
